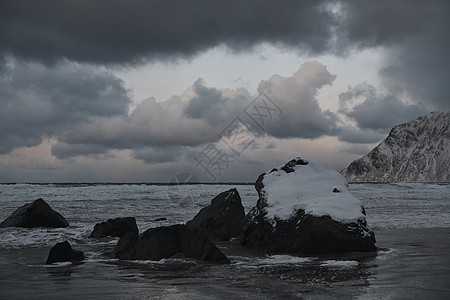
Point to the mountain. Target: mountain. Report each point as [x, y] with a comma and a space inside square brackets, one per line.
[417, 151]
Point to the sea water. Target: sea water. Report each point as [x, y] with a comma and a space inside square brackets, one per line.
[411, 223]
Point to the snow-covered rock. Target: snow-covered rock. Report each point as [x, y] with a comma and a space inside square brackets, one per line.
[305, 207]
[417, 151]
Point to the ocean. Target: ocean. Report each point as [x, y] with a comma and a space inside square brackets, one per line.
[411, 223]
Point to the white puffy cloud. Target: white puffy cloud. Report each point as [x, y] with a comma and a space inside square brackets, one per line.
[201, 114]
[297, 98]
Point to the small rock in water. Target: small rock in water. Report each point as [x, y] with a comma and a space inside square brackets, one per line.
[35, 214]
[115, 227]
[63, 252]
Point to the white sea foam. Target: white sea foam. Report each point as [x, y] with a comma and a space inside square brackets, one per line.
[163, 261]
[257, 262]
[13, 237]
[285, 260]
[58, 264]
[339, 263]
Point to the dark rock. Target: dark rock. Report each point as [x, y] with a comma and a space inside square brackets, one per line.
[223, 219]
[289, 166]
[124, 247]
[303, 233]
[160, 219]
[63, 252]
[35, 214]
[168, 241]
[307, 234]
[158, 243]
[196, 245]
[115, 227]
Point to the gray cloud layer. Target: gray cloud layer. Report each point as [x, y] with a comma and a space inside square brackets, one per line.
[45, 92]
[127, 32]
[374, 113]
[113, 31]
[37, 101]
[377, 111]
[202, 117]
[87, 110]
[416, 35]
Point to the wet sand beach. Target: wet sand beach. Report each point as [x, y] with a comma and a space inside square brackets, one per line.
[411, 264]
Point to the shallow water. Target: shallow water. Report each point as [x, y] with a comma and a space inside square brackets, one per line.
[411, 225]
[412, 264]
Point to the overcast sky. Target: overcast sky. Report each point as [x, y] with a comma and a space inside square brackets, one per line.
[140, 91]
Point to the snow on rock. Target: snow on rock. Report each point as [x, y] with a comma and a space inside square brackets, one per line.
[305, 207]
[417, 151]
[310, 188]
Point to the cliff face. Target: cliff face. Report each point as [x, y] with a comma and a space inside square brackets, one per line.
[417, 151]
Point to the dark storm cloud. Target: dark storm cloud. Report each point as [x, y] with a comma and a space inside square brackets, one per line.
[205, 99]
[415, 35]
[64, 150]
[377, 111]
[86, 109]
[151, 124]
[112, 31]
[168, 123]
[211, 105]
[37, 101]
[422, 69]
[159, 154]
[154, 126]
[356, 135]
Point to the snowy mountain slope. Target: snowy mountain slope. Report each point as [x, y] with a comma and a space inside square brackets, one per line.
[417, 151]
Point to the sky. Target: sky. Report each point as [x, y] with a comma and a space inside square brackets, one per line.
[212, 91]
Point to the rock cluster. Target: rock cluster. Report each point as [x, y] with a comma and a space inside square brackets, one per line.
[303, 207]
[222, 220]
[168, 241]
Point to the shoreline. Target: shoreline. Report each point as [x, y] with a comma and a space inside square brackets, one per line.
[413, 264]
